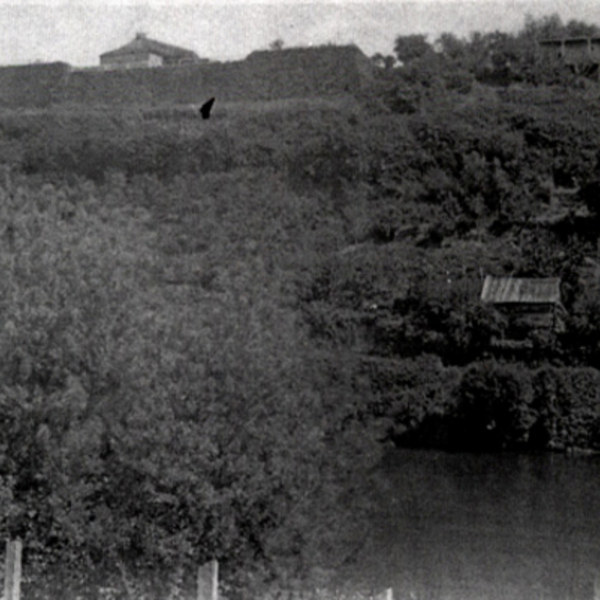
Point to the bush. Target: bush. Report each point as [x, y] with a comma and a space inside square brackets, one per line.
[493, 407]
[148, 426]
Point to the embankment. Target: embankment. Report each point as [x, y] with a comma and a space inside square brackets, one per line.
[263, 75]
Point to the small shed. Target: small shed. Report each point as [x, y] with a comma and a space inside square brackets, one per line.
[552, 48]
[145, 52]
[528, 303]
[577, 52]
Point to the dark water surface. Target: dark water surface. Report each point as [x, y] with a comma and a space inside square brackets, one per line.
[466, 526]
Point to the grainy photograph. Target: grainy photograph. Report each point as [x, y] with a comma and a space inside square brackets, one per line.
[300, 301]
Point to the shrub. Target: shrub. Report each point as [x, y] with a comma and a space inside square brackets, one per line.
[151, 426]
[493, 407]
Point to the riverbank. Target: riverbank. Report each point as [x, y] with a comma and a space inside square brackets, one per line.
[491, 406]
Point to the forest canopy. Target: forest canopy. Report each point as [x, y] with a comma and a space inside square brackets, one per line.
[482, 53]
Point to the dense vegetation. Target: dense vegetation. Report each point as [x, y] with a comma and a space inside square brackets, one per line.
[209, 328]
[494, 57]
[161, 401]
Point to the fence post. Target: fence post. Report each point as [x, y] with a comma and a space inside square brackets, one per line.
[12, 577]
[388, 594]
[208, 581]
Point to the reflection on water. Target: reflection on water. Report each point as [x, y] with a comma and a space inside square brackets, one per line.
[465, 526]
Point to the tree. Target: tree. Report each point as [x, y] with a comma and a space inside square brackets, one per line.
[575, 28]
[552, 27]
[151, 428]
[411, 47]
[548, 27]
[73, 282]
[383, 62]
[276, 44]
[502, 48]
[451, 46]
[493, 406]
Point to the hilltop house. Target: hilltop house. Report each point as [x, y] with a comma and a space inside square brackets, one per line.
[145, 52]
[528, 305]
[582, 54]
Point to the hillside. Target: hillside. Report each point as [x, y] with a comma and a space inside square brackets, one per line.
[314, 72]
[210, 327]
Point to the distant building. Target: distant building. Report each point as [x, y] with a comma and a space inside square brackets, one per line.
[582, 54]
[527, 304]
[145, 52]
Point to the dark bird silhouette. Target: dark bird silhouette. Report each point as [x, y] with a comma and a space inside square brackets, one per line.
[205, 108]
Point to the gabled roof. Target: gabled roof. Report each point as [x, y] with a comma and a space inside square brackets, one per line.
[142, 45]
[506, 290]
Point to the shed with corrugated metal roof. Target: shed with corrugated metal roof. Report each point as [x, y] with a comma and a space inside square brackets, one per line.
[528, 303]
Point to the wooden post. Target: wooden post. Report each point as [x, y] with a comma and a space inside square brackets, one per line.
[12, 578]
[208, 581]
[385, 595]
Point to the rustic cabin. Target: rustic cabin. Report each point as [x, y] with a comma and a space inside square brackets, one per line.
[581, 54]
[551, 49]
[528, 304]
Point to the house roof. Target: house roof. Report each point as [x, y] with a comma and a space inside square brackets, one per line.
[143, 45]
[569, 40]
[577, 40]
[506, 290]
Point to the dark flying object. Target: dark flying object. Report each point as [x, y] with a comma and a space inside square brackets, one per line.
[205, 108]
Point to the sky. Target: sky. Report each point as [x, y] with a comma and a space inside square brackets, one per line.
[78, 32]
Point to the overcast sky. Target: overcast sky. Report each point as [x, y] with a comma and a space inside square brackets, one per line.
[79, 32]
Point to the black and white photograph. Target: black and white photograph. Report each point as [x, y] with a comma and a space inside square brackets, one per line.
[300, 300]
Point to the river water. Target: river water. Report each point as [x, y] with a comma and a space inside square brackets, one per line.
[486, 526]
